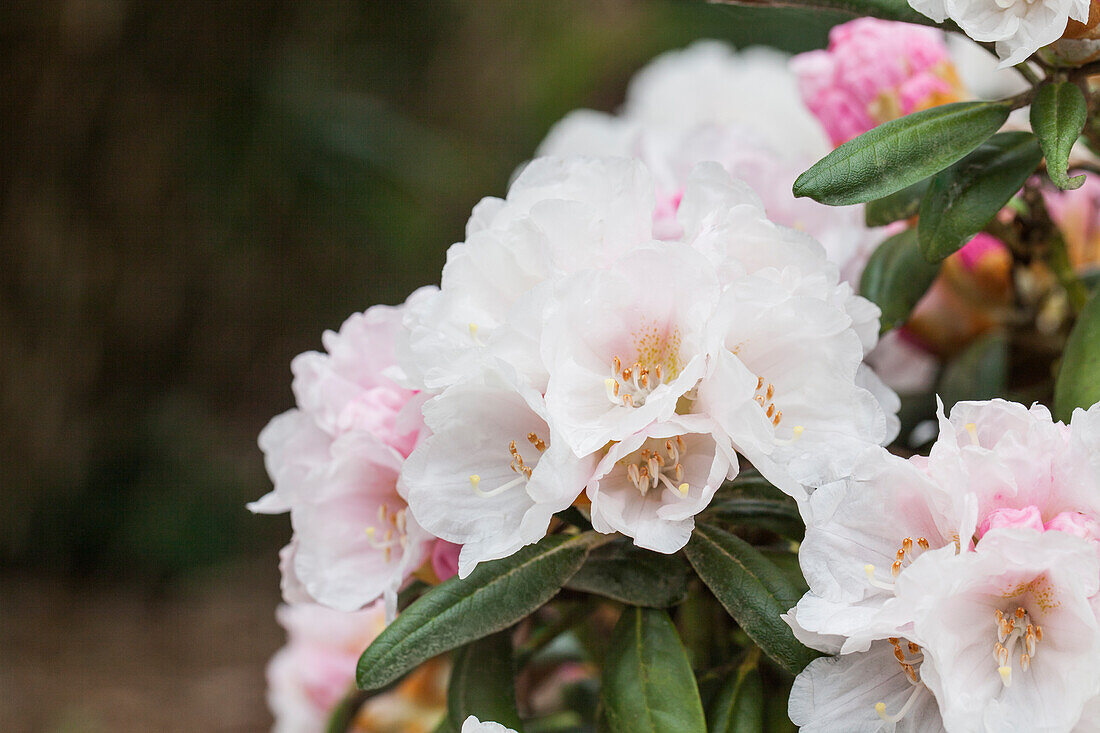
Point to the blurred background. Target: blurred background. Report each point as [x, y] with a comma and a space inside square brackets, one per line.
[191, 193]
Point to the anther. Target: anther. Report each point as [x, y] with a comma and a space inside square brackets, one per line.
[914, 648]
[759, 400]
[657, 371]
[628, 399]
[770, 393]
[771, 410]
[617, 365]
[1025, 661]
[535, 440]
[922, 543]
[759, 382]
[778, 417]
[895, 569]
[907, 545]
[910, 673]
[1020, 612]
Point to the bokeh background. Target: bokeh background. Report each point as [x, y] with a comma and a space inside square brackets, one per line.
[190, 193]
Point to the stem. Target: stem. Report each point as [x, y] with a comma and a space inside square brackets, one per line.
[1028, 73]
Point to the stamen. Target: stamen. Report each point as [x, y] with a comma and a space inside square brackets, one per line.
[759, 400]
[771, 410]
[657, 371]
[628, 399]
[870, 571]
[759, 382]
[770, 393]
[616, 365]
[895, 569]
[535, 440]
[612, 390]
[1025, 661]
[880, 707]
[922, 543]
[475, 480]
[777, 418]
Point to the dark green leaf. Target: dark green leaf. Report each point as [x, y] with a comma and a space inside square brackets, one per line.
[648, 685]
[456, 612]
[966, 196]
[739, 707]
[1078, 383]
[632, 575]
[900, 152]
[752, 590]
[978, 373]
[483, 682]
[900, 205]
[883, 9]
[1058, 115]
[896, 277]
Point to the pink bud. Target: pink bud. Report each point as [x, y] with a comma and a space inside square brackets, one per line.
[1005, 518]
[1075, 523]
[445, 559]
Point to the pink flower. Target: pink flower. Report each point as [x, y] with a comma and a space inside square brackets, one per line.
[335, 460]
[445, 559]
[316, 668]
[872, 72]
[1077, 214]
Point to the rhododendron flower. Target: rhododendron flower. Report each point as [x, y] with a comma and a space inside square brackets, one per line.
[335, 461]
[492, 472]
[673, 120]
[1009, 632]
[651, 485]
[1077, 215]
[843, 693]
[1018, 27]
[875, 71]
[316, 668]
[969, 554]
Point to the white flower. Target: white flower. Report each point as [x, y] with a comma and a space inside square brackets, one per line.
[473, 725]
[843, 693]
[971, 555]
[335, 461]
[1010, 630]
[623, 346]
[673, 120]
[1018, 27]
[492, 472]
[651, 485]
[560, 216]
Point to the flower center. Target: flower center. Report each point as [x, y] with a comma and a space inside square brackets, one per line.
[630, 386]
[1014, 629]
[652, 467]
[910, 658]
[518, 466]
[391, 524]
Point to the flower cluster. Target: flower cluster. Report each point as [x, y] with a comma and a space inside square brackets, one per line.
[960, 591]
[572, 352]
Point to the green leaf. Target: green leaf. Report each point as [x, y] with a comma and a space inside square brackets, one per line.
[980, 372]
[483, 682]
[1078, 383]
[456, 612]
[751, 500]
[896, 277]
[966, 196]
[739, 707]
[648, 685]
[752, 590]
[1058, 115]
[900, 205]
[629, 574]
[900, 152]
[883, 9]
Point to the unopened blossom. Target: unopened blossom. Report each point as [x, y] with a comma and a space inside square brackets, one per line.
[335, 460]
[1077, 216]
[874, 71]
[1019, 28]
[974, 555]
[309, 676]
